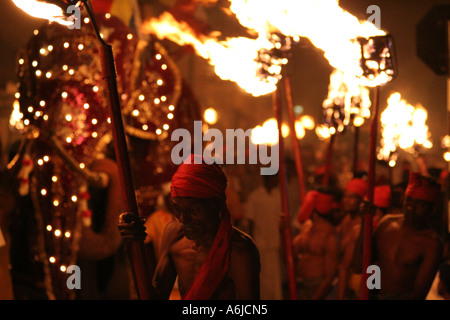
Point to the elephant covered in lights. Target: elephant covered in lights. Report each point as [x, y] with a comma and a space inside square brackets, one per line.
[68, 183]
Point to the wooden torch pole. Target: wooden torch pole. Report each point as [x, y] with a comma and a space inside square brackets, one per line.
[141, 271]
[295, 142]
[326, 176]
[285, 221]
[140, 264]
[367, 217]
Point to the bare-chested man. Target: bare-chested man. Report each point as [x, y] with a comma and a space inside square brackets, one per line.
[406, 248]
[316, 248]
[348, 232]
[211, 258]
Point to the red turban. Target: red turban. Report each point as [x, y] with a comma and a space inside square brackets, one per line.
[315, 201]
[358, 186]
[197, 179]
[421, 188]
[382, 196]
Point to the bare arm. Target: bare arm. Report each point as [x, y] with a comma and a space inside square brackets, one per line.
[166, 273]
[245, 269]
[344, 265]
[427, 271]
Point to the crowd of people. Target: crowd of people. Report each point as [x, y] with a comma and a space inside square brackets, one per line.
[203, 255]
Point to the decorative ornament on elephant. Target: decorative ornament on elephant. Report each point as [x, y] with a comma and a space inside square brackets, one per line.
[159, 102]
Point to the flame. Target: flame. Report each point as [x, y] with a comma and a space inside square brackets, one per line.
[233, 59]
[328, 27]
[346, 91]
[403, 126]
[15, 120]
[307, 122]
[323, 22]
[44, 10]
[323, 132]
[268, 132]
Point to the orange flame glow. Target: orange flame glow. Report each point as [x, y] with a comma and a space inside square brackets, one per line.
[44, 10]
[234, 59]
[403, 126]
[323, 22]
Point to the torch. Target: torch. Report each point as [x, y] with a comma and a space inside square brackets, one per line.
[285, 217]
[59, 11]
[268, 58]
[377, 61]
[295, 142]
[334, 116]
[271, 61]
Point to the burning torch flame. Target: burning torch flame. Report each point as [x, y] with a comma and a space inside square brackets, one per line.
[16, 117]
[43, 10]
[345, 90]
[234, 59]
[403, 126]
[328, 26]
[323, 22]
[268, 132]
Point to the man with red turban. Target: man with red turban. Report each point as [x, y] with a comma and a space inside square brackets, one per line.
[316, 249]
[353, 267]
[348, 231]
[381, 202]
[406, 247]
[211, 258]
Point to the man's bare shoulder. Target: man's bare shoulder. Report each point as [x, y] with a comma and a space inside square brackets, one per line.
[172, 232]
[391, 218]
[242, 243]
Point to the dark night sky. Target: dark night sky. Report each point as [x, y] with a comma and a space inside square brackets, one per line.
[416, 81]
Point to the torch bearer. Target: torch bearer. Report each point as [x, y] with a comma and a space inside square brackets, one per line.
[377, 60]
[59, 11]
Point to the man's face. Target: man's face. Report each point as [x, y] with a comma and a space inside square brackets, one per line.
[418, 212]
[350, 201]
[195, 219]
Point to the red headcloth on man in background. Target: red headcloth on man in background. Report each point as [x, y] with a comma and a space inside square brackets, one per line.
[317, 201]
[197, 179]
[382, 196]
[358, 186]
[422, 188]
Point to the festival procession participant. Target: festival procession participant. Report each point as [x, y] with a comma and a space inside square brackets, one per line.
[381, 202]
[262, 215]
[211, 258]
[348, 231]
[379, 208]
[316, 248]
[406, 248]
